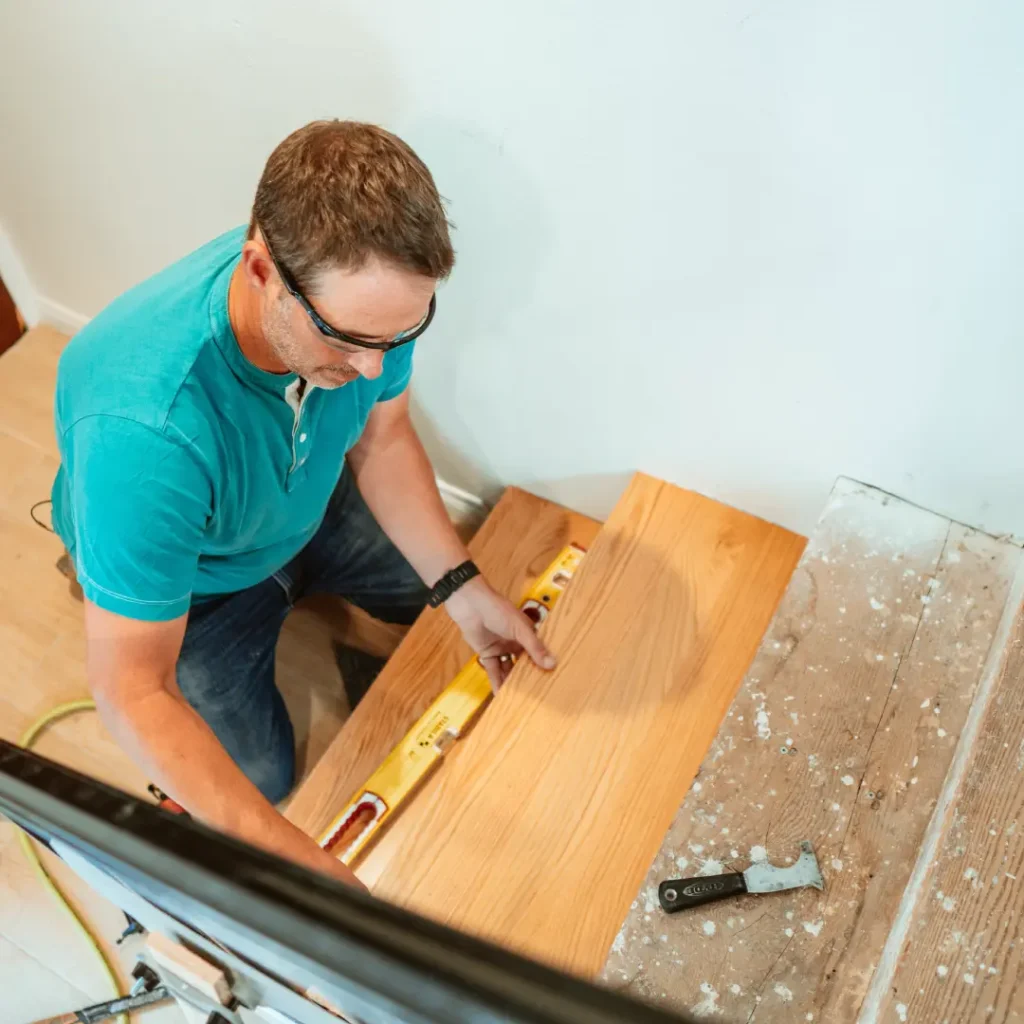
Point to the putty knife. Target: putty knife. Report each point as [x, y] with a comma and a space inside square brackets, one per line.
[683, 893]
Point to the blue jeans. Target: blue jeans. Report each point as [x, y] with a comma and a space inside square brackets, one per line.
[226, 665]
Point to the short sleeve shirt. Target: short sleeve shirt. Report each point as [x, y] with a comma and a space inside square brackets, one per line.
[187, 472]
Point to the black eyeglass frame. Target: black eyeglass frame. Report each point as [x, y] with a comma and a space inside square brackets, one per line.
[330, 332]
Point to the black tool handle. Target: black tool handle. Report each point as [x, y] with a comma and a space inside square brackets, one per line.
[683, 893]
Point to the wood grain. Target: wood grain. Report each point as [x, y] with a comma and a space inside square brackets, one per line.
[307, 674]
[538, 831]
[962, 958]
[517, 542]
[27, 377]
[32, 990]
[842, 734]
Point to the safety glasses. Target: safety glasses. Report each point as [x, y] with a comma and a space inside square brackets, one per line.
[332, 334]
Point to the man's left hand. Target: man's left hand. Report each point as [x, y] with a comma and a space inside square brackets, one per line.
[496, 629]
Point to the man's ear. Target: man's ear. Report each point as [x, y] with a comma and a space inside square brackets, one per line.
[257, 264]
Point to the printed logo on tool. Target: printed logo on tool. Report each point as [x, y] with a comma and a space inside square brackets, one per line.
[427, 737]
[701, 887]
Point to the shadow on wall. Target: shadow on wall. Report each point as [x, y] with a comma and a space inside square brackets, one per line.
[450, 460]
[593, 494]
[488, 299]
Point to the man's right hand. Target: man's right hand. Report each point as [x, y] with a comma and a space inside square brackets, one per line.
[131, 669]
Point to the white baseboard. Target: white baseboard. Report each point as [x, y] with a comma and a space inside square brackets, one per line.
[59, 316]
[465, 509]
[16, 281]
[34, 308]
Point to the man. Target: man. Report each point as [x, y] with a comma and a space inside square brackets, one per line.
[234, 434]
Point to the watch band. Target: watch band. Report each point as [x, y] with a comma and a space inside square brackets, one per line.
[450, 582]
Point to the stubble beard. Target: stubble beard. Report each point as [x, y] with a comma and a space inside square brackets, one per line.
[290, 352]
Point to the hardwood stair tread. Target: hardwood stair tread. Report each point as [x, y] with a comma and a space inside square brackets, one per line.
[542, 821]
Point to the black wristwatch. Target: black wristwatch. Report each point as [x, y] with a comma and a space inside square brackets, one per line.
[450, 582]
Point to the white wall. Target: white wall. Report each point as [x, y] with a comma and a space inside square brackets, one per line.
[745, 245]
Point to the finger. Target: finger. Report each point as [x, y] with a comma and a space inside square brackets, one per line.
[533, 644]
[492, 666]
[506, 662]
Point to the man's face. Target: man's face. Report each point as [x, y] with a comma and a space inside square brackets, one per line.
[375, 303]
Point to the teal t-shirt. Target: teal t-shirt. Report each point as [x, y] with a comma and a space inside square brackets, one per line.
[186, 472]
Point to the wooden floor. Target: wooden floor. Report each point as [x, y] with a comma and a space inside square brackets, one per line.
[44, 967]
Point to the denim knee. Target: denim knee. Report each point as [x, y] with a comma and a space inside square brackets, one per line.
[273, 774]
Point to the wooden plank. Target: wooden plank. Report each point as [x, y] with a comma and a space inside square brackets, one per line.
[516, 543]
[196, 971]
[962, 956]
[33, 990]
[538, 831]
[834, 737]
[27, 375]
[17, 459]
[306, 673]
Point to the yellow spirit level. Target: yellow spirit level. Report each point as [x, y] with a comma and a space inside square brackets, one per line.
[438, 727]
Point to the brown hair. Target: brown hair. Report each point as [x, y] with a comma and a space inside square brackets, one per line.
[335, 193]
